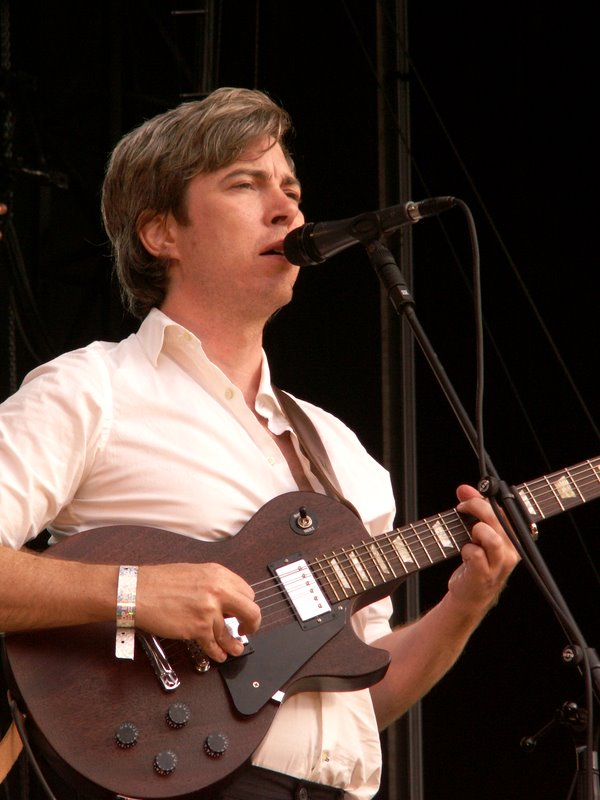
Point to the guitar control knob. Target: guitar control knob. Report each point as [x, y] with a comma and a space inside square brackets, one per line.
[126, 734]
[165, 762]
[178, 715]
[216, 744]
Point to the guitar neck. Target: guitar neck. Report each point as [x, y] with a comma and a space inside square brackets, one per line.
[560, 491]
[390, 557]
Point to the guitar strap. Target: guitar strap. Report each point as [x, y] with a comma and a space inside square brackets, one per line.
[313, 448]
[10, 748]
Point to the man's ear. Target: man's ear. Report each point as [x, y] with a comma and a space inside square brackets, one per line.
[156, 234]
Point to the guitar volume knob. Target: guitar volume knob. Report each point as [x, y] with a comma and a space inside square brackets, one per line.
[216, 744]
[126, 735]
[178, 715]
[165, 762]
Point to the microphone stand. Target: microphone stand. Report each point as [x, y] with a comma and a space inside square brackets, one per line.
[577, 720]
[502, 498]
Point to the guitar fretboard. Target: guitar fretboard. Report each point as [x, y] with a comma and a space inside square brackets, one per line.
[391, 556]
[552, 494]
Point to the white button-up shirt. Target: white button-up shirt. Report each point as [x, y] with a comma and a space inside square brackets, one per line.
[147, 431]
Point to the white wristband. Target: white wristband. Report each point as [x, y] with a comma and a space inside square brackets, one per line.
[126, 593]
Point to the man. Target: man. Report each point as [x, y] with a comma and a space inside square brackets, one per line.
[178, 428]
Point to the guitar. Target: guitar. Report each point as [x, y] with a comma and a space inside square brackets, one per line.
[171, 724]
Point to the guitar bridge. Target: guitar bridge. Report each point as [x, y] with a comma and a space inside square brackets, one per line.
[160, 663]
[201, 662]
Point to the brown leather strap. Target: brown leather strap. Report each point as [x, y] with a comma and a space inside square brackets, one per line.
[312, 447]
[10, 748]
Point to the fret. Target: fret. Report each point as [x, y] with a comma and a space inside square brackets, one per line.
[348, 573]
[566, 492]
[387, 554]
[381, 563]
[530, 503]
[465, 531]
[555, 493]
[419, 549]
[588, 482]
[596, 470]
[358, 571]
[573, 488]
[402, 550]
[456, 541]
[391, 556]
[375, 563]
[343, 582]
[333, 575]
[366, 566]
[326, 576]
[443, 536]
[438, 536]
[561, 490]
[423, 545]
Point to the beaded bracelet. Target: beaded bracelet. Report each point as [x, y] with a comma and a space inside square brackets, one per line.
[126, 593]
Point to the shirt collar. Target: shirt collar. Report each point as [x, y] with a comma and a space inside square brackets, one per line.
[151, 333]
[158, 333]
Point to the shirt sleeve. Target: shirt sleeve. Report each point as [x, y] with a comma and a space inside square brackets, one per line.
[50, 430]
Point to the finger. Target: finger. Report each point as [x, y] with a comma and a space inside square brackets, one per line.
[225, 641]
[480, 508]
[247, 614]
[466, 492]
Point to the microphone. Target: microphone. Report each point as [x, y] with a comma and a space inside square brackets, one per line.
[315, 242]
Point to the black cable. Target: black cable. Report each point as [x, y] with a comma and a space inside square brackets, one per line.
[18, 719]
[437, 116]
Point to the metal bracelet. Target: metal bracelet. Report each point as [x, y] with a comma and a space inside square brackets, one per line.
[126, 596]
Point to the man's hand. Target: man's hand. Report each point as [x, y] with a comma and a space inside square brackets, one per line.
[487, 560]
[191, 601]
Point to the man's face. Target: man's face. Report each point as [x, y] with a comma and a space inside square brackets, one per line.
[230, 249]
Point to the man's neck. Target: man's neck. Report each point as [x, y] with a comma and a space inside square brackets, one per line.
[235, 349]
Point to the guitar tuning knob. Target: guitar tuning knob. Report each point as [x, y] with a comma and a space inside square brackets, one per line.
[165, 762]
[126, 734]
[216, 744]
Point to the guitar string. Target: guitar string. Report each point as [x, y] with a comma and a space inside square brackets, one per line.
[270, 596]
[423, 538]
[550, 493]
[321, 566]
[276, 604]
[544, 497]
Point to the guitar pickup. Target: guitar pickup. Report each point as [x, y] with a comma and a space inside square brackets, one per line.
[302, 590]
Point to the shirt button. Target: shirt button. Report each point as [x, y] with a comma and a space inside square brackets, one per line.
[229, 393]
[301, 793]
[271, 460]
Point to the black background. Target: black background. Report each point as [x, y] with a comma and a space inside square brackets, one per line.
[502, 117]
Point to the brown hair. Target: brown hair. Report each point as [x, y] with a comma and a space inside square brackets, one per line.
[149, 169]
